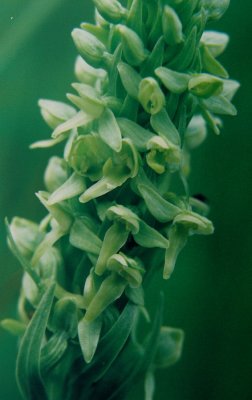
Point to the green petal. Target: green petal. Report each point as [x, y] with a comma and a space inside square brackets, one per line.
[110, 290]
[176, 82]
[124, 215]
[82, 237]
[162, 124]
[89, 334]
[95, 77]
[151, 96]
[220, 105]
[196, 132]
[216, 8]
[177, 237]
[161, 209]
[210, 64]
[150, 237]
[133, 47]
[135, 132]
[88, 155]
[172, 26]
[63, 218]
[130, 79]
[111, 10]
[80, 119]
[216, 42]
[184, 58]
[13, 326]
[114, 239]
[74, 186]
[205, 85]
[90, 48]
[109, 130]
[55, 112]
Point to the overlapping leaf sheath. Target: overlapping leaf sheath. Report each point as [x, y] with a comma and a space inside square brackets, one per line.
[148, 88]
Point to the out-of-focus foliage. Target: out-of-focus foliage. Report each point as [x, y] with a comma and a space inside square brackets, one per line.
[209, 295]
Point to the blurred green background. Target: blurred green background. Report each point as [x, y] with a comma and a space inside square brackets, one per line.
[210, 293]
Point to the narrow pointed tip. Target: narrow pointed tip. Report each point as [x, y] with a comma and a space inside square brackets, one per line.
[83, 198]
[51, 201]
[75, 85]
[6, 221]
[74, 32]
[118, 147]
[166, 276]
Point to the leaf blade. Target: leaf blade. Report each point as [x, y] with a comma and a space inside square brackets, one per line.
[28, 360]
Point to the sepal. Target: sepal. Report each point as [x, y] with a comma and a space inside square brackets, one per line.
[55, 112]
[133, 47]
[111, 10]
[151, 96]
[172, 26]
[91, 49]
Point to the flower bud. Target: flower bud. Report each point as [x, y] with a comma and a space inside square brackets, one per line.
[216, 42]
[169, 347]
[130, 79]
[26, 235]
[92, 50]
[172, 26]
[63, 218]
[95, 77]
[133, 47]
[99, 20]
[196, 132]
[205, 85]
[89, 100]
[216, 8]
[55, 174]
[30, 290]
[111, 10]
[151, 96]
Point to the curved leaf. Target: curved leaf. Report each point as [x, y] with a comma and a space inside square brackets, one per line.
[28, 360]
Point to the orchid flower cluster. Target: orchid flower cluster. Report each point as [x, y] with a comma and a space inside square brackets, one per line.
[118, 208]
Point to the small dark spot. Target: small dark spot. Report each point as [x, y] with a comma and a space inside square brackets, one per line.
[201, 197]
